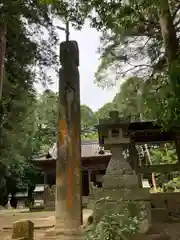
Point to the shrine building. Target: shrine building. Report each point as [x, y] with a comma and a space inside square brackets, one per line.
[94, 163]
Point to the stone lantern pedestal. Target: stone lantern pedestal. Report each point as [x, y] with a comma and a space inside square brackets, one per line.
[120, 187]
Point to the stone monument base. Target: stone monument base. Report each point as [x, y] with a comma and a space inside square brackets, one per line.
[120, 193]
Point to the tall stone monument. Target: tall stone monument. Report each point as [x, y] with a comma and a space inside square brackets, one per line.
[68, 165]
[120, 183]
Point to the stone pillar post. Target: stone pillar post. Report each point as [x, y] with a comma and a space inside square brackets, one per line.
[68, 165]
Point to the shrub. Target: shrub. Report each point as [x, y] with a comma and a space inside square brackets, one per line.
[115, 226]
[172, 186]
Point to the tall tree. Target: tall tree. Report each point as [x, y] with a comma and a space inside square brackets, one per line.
[46, 119]
[103, 112]
[26, 50]
[129, 100]
[137, 40]
[88, 118]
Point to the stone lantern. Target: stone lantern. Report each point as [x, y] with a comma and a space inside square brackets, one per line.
[120, 183]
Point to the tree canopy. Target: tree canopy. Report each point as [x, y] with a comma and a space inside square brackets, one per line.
[136, 46]
[28, 55]
[136, 40]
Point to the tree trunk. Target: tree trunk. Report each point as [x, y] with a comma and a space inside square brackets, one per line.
[171, 46]
[2, 54]
[168, 31]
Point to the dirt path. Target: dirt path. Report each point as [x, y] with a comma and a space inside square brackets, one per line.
[47, 220]
[41, 220]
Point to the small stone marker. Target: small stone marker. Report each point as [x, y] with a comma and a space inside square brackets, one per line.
[23, 230]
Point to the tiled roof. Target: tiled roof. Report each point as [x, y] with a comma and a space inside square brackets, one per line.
[89, 148]
[38, 188]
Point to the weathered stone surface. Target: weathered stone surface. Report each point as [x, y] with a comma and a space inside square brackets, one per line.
[159, 215]
[144, 226]
[122, 194]
[123, 181]
[23, 230]
[121, 191]
[170, 202]
[69, 53]
[117, 162]
[68, 163]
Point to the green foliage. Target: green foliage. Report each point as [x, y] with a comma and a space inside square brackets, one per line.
[172, 186]
[89, 135]
[164, 155]
[46, 120]
[88, 122]
[26, 48]
[132, 44]
[113, 227]
[103, 112]
[88, 118]
[116, 226]
[129, 100]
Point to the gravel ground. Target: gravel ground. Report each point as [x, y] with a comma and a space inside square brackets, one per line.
[43, 220]
[47, 219]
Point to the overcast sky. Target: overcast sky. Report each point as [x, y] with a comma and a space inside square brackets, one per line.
[91, 95]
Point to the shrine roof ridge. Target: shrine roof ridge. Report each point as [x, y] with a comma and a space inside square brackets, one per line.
[89, 148]
[133, 125]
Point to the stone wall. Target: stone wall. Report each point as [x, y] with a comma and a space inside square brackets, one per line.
[166, 200]
[165, 206]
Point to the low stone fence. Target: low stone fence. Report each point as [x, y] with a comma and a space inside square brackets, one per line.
[165, 206]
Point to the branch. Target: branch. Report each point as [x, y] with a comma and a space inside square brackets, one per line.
[160, 64]
[176, 11]
[177, 23]
[124, 57]
[141, 48]
[141, 67]
[120, 58]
